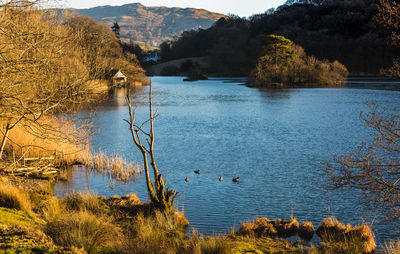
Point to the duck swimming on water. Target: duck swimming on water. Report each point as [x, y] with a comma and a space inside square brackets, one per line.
[197, 171]
[235, 179]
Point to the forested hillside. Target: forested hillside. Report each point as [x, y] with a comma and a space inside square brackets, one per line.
[341, 30]
[151, 25]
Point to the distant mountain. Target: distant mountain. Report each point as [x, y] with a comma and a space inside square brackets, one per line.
[151, 25]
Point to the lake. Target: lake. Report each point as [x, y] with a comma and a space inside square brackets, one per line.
[276, 141]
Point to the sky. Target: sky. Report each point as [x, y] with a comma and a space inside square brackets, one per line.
[243, 8]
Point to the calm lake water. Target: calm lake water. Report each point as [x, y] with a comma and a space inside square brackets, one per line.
[274, 140]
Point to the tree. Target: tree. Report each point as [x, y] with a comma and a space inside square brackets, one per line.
[373, 168]
[40, 73]
[276, 59]
[388, 17]
[161, 197]
[97, 44]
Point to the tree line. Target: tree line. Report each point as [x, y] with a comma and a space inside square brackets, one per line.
[52, 63]
[342, 30]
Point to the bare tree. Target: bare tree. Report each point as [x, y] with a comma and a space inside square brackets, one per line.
[388, 17]
[40, 71]
[161, 197]
[374, 168]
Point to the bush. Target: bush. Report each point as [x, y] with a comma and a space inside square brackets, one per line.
[12, 197]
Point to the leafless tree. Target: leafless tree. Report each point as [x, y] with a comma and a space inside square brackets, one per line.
[40, 72]
[161, 197]
[388, 18]
[373, 168]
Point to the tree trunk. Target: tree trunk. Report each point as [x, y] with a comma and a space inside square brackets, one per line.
[4, 140]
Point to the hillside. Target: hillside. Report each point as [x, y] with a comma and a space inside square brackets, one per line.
[341, 30]
[151, 25]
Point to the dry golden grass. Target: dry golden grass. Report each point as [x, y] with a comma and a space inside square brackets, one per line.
[363, 234]
[289, 228]
[24, 147]
[392, 247]
[113, 167]
[85, 201]
[12, 197]
[258, 228]
[306, 231]
[332, 228]
[339, 238]
[27, 143]
[82, 229]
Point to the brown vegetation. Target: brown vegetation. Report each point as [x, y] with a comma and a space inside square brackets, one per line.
[12, 197]
[306, 231]
[263, 227]
[340, 238]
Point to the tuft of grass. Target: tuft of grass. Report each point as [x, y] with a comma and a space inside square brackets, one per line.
[364, 235]
[306, 231]
[82, 229]
[392, 247]
[339, 238]
[12, 197]
[157, 233]
[263, 227]
[258, 228]
[214, 245]
[332, 229]
[86, 201]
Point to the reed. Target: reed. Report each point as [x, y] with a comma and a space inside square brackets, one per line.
[392, 247]
[114, 167]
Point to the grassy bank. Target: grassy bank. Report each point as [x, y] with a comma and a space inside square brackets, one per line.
[32, 220]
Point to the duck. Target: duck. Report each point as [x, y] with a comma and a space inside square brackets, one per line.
[235, 179]
[197, 171]
[187, 179]
[221, 179]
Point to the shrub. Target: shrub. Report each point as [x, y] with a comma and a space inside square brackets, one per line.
[12, 197]
[306, 231]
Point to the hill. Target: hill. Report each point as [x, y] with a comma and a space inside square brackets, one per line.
[341, 30]
[151, 25]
